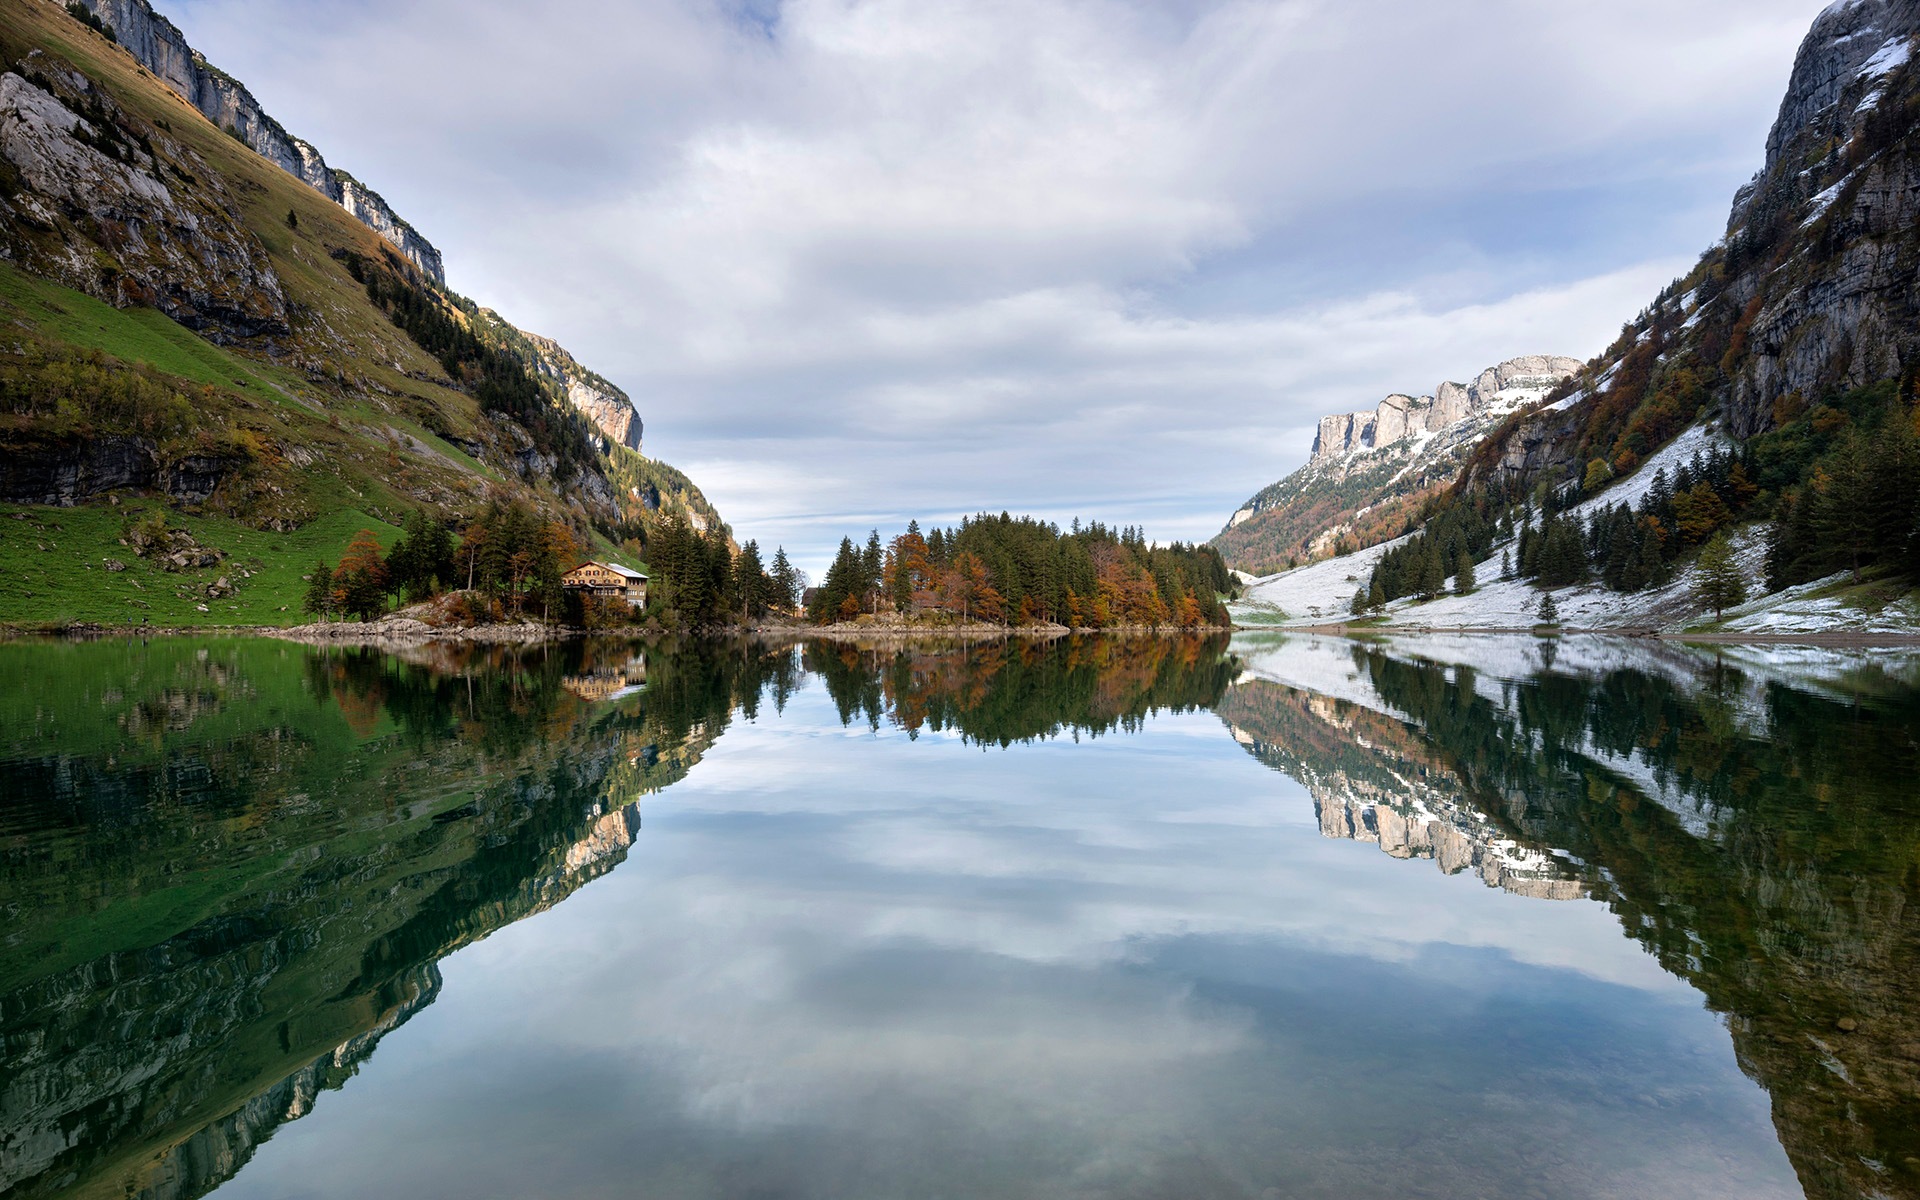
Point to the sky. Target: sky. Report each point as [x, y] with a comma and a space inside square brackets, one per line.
[863, 260]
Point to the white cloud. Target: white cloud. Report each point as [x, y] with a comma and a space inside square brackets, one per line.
[907, 240]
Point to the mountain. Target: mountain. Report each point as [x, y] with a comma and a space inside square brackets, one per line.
[215, 332]
[1371, 470]
[1811, 293]
[159, 46]
[1767, 398]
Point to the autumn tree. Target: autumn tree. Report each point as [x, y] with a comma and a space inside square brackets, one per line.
[360, 581]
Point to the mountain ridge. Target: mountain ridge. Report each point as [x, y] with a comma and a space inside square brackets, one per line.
[1371, 469]
[1786, 363]
[203, 345]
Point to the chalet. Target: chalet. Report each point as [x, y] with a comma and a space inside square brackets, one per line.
[610, 580]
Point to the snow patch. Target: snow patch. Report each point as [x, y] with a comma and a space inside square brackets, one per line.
[1890, 58]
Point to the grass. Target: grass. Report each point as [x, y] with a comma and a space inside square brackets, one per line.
[53, 567]
[136, 335]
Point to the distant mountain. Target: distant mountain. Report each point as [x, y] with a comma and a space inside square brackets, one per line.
[1371, 470]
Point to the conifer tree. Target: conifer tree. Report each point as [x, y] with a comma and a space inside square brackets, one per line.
[786, 582]
[1549, 610]
[1718, 583]
[319, 597]
[1463, 582]
[752, 589]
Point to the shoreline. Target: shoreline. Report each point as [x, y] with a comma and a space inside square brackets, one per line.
[393, 632]
[1837, 637]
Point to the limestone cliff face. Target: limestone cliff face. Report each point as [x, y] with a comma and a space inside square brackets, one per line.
[1399, 417]
[158, 45]
[1373, 781]
[608, 407]
[109, 205]
[1368, 465]
[1816, 287]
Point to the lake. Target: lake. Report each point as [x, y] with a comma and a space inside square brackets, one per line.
[1270, 917]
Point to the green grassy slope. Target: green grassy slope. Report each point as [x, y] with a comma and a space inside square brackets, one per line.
[54, 567]
[339, 424]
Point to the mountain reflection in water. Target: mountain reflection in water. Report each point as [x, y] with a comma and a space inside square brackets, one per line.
[1751, 816]
[230, 868]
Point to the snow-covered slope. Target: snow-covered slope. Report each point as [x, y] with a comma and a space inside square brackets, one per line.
[1322, 594]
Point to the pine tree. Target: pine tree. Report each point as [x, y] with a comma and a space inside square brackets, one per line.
[1506, 564]
[786, 581]
[1463, 582]
[872, 572]
[1718, 582]
[1549, 611]
[319, 597]
[751, 587]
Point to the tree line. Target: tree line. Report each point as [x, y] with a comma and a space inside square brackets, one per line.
[698, 581]
[507, 559]
[1007, 570]
[1624, 547]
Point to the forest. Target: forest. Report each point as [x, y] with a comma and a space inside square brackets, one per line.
[1840, 481]
[1006, 570]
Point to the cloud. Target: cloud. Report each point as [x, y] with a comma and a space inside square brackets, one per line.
[873, 258]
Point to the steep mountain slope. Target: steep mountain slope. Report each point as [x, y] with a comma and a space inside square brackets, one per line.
[1371, 470]
[192, 324]
[1790, 354]
[159, 46]
[1814, 290]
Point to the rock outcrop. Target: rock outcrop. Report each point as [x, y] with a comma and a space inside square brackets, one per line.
[159, 46]
[110, 205]
[1399, 417]
[1368, 466]
[609, 408]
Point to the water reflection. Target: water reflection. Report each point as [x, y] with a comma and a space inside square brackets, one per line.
[1750, 816]
[230, 869]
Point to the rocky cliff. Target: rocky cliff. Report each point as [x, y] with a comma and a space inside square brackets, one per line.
[1814, 290]
[1498, 390]
[159, 46]
[1373, 780]
[1370, 469]
[610, 409]
[108, 204]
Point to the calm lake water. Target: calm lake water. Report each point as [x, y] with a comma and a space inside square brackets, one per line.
[1153, 918]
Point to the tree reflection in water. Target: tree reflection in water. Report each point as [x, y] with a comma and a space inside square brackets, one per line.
[231, 867]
